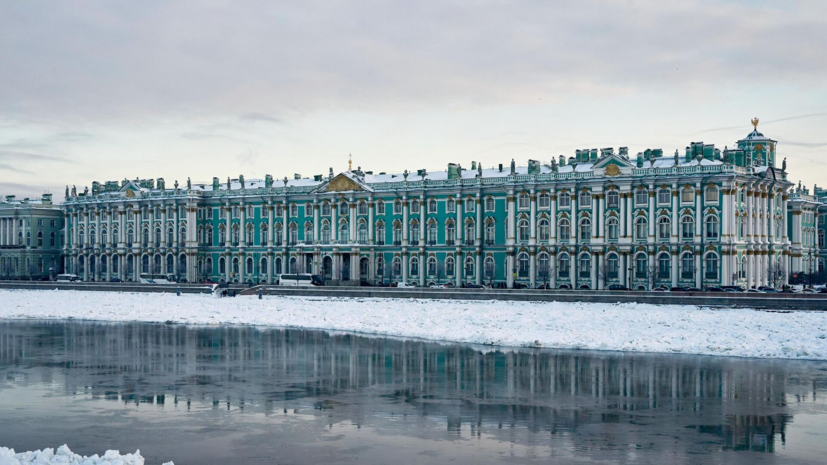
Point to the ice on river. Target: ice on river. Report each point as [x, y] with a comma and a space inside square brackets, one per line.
[599, 326]
[66, 456]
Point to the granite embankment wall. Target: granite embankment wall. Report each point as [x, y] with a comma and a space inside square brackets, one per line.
[707, 299]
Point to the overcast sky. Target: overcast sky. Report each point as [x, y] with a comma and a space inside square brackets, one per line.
[107, 90]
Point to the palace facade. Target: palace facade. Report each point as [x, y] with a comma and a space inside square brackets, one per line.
[31, 237]
[704, 217]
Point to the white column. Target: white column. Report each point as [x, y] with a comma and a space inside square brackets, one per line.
[459, 269]
[532, 225]
[460, 226]
[510, 241]
[229, 234]
[553, 222]
[242, 227]
[595, 218]
[478, 238]
[371, 228]
[352, 238]
[699, 214]
[422, 230]
[593, 271]
[652, 217]
[271, 230]
[405, 225]
[676, 217]
[334, 224]
[674, 269]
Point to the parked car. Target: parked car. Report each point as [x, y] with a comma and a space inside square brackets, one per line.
[754, 291]
[767, 289]
[661, 289]
[714, 289]
[437, 286]
[115, 280]
[404, 284]
[809, 290]
[617, 287]
[474, 286]
[520, 286]
[679, 289]
[733, 288]
[544, 286]
[823, 290]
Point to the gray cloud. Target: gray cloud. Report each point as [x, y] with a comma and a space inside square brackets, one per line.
[126, 60]
[22, 157]
[260, 117]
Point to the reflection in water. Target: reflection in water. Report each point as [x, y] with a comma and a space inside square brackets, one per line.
[591, 404]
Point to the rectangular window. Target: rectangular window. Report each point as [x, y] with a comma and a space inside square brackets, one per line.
[664, 196]
[380, 208]
[687, 195]
[39, 222]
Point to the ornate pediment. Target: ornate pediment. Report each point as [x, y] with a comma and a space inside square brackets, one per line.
[344, 183]
[612, 165]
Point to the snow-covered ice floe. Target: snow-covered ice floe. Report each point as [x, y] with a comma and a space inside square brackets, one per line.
[597, 326]
[66, 456]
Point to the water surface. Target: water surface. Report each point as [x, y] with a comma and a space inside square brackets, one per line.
[251, 395]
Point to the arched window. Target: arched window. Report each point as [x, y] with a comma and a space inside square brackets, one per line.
[450, 232]
[742, 268]
[641, 227]
[523, 201]
[235, 236]
[564, 200]
[470, 205]
[40, 238]
[263, 266]
[170, 264]
[130, 237]
[414, 266]
[362, 233]
[396, 267]
[145, 264]
[277, 269]
[432, 233]
[612, 266]
[251, 235]
[522, 265]
[294, 210]
[543, 270]
[397, 207]
[308, 233]
[820, 238]
[612, 199]
[641, 197]
[489, 204]
[565, 230]
[585, 230]
[522, 230]
[222, 266]
[265, 236]
[362, 208]
[641, 266]
[711, 227]
[92, 237]
[52, 239]
[490, 232]
[585, 199]
[711, 271]
[543, 230]
[343, 208]
[325, 233]
[585, 265]
[380, 207]
[156, 264]
[664, 265]
[687, 228]
[687, 266]
[249, 267]
[711, 194]
[664, 228]
[293, 231]
[431, 206]
[449, 266]
[380, 233]
[325, 209]
[380, 267]
[115, 236]
[431, 266]
[414, 207]
[170, 237]
[415, 232]
[343, 233]
[612, 229]
[470, 269]
[687, 195]
[490, 268]
[544, 200]
[451, 206]
[115, 263]
[564, 267]
[397, 234]
[80, 238]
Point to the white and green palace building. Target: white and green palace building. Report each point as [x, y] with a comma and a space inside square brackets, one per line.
[705, 217]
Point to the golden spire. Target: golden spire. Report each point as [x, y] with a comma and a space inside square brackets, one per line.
[754, 123]
[349, 162]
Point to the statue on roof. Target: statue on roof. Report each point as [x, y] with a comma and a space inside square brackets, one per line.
[241, 180]
[330, 174]
[189, 184]
[74, 191]
[513, 167]
[479, 170]
[229, 184]
[285, 181]
[553, 165]
[86, 190]
[784, 165]
[66, 195]
[754, 122]
[176, 184]
[405, 175]
[349, 162]
[677, 162]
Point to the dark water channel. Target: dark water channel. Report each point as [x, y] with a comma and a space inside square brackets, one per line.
[250, 395]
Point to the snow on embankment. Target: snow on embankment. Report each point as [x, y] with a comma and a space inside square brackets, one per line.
[66, 456]
[627, 327]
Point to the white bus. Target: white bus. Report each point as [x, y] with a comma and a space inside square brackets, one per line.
[156, 279]
[67, 278]
[300, 279]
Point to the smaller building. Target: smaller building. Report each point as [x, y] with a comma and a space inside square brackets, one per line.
[31, 235]
[806, 232]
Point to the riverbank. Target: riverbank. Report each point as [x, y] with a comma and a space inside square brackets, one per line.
[597, 326]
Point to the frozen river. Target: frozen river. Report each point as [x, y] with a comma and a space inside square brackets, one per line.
[251, 395]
